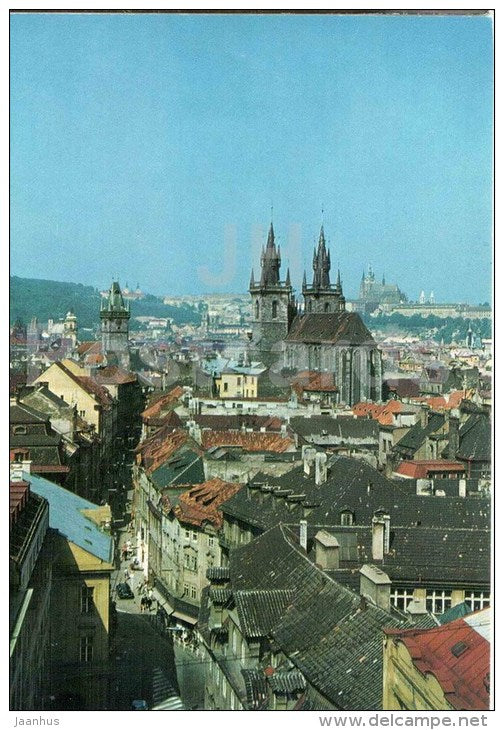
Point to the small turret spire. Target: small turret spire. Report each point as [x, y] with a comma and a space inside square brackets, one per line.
[252, 283]
[287, 278]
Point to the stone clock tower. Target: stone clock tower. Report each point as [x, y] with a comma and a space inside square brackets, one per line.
[114, 317]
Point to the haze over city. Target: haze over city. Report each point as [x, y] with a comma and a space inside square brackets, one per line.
[154, 147]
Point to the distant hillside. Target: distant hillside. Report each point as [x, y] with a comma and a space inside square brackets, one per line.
[53, 299]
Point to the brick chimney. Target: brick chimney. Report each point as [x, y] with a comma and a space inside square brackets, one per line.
[326, 551]
[375, 586]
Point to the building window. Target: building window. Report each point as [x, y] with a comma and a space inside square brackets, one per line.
[190, 562]
[257, 310]
[21, 456]
[86, 599]
[238, 381]
[86, 649]
[19, 430]
[438, 601]
[194, 536]
[211, 541]
[187, 534]
[477, 599]
[274, 309]
[225, 387]
[309, 305]
[327, 307]
[401, 598]
[194, 593]
[346, 518]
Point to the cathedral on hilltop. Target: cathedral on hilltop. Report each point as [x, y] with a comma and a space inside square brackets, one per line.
[320, 335]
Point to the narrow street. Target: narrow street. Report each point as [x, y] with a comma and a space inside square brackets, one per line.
[142, 659]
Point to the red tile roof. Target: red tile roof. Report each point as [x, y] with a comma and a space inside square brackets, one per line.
[160, 447]
[200, 503]
[381, 413]
[114, 375]
[423, 468]
[247, 441]
[463, 673]
[164, 401]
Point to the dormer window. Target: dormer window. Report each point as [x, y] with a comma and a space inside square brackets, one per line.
[19, 430]
[347, 517]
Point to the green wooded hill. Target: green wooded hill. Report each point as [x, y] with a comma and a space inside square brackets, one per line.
[46, 299]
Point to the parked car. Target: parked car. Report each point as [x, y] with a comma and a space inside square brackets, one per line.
[124, 591]
[139, 705]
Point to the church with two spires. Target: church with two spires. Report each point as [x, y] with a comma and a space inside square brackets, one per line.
[318, 336]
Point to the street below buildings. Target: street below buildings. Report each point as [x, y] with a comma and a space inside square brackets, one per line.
[143, 663]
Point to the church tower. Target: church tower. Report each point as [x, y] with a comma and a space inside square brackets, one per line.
[70, 327]
[322, 296]
[114, 317]
[273, 306]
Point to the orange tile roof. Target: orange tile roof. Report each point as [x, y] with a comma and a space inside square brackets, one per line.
[160, 447]
[163, 401]
[247, 441]
[200, 503]
[381, 413]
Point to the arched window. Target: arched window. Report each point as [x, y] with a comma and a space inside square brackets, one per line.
[309, 305]
[327, 307]
[257, 309]
[274, 309]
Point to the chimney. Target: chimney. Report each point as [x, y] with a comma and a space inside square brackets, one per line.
[424, 415]
[303, 534]
[424, 486]
[386, 534]
[417, 607]
[320, 468]
[308, 455]
[16, 471]
[453, 437]
[378, 538]
[326, 551]
[462, 488]
[195, 432]
[375, 586]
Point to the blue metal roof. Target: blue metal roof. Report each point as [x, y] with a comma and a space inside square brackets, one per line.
[65, 515]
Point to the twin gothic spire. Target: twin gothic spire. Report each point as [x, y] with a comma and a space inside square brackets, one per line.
[271, 261]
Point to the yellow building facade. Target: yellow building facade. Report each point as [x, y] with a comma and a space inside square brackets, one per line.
[404, 687]
[63, 382]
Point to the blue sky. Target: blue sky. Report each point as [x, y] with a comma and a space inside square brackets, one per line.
[152, 147]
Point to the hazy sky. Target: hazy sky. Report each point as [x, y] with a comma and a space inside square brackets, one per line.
[152, 148]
